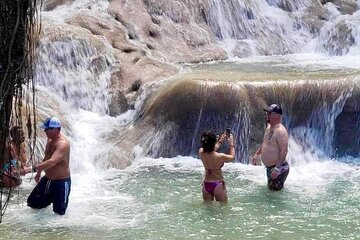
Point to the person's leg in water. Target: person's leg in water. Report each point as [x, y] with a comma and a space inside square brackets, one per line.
[8, 181]
[220, 193]
[207, 196]
[59, 192]
[215, 190]
[278, 183]
[39, 197]
[9, 176]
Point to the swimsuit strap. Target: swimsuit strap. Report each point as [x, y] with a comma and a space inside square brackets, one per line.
[209, 170]
[215, 168]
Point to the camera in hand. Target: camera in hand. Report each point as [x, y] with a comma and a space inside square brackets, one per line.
[227, 131]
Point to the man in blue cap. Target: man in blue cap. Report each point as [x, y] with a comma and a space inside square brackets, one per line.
[55, 186]
[274, 148]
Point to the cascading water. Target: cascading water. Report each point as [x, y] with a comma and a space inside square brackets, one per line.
[248, 24]
[69, 68]
[248, 28]
[317, 136]
[341, 35]
[137, 175]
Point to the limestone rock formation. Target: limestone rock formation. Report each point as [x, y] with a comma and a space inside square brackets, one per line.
[168, 30]
[148, 40]
[344, 6]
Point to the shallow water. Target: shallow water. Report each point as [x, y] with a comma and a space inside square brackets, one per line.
[161, 199]
[294, 67]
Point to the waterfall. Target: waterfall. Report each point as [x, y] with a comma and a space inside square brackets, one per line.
[315, 139]
[314, 112]
[239, 24]
[135, 172]
[340, 35]
[76, 73]
[277, 27]
[73, 81]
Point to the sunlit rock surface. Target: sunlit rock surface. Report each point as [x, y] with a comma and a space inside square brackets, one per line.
[171, 31]
[147, 38]
[127, 45]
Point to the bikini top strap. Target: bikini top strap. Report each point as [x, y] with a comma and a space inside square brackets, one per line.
[209, 169]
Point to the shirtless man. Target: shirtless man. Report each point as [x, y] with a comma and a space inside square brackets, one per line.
[55, 186]
[274, 149]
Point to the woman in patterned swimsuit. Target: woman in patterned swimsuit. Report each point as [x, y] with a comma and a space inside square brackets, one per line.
[214, 185]
[15, 159]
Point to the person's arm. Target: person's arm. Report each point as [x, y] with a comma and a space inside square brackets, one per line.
[226, 157]
[256, 155]
[219, 142]
[22, 156]
[55, 158]
[231, 156]
[258, 152]
[47, 156]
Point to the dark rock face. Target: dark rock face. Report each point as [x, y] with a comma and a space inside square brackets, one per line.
[347, 125]
[118, 104]
[314, 17]
[347, 134]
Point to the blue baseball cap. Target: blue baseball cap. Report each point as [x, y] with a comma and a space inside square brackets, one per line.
[51, 122]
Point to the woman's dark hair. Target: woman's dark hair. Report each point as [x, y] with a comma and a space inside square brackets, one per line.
[208, 141]
[17, 134]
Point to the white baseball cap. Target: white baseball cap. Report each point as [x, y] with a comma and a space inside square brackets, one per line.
[51, 122]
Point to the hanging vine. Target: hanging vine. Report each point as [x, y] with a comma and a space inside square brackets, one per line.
[19, 32]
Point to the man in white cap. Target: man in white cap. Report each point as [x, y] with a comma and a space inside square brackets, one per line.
[55, 186]
[274, 149]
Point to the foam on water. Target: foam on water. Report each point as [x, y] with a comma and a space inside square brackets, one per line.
[161, 198]
[311, 61]
[127, 200]
[63, 12]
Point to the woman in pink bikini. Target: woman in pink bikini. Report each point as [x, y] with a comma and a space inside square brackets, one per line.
[214, 185]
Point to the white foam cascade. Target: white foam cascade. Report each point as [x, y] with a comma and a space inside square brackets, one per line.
[69, 69]
[315, 140]
[65, 11]
[72, 67]
[278, 27]
[341, 34]
[251, 23]
[73, 83]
